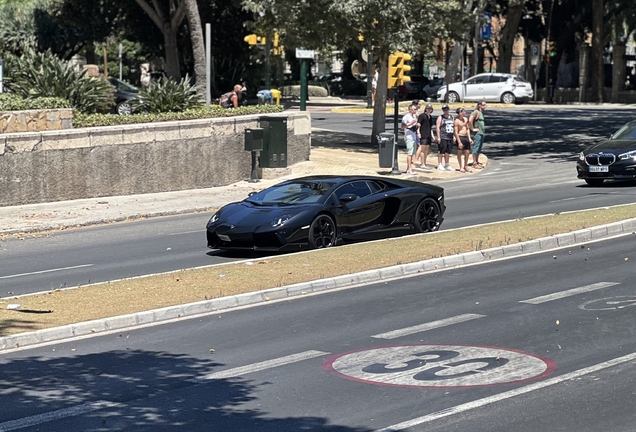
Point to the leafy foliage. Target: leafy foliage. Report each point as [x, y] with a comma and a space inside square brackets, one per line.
[12, 102]
[167, 95]
[45, 75]
[95, 120]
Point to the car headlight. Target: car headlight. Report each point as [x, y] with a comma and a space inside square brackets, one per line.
[279, 221]
[213, 219]
[581, 156]
[628, 155]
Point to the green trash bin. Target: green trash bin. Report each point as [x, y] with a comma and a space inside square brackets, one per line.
[274, 153]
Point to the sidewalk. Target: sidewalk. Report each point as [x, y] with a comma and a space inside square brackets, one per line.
[332, 153]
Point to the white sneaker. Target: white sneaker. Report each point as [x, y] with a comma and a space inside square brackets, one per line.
[441, 167]
[449, 168]
[411, 171]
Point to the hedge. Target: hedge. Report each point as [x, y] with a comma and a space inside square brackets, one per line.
[12, 102]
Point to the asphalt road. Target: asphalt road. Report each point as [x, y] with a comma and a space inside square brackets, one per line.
[525, 344]
[532, 152]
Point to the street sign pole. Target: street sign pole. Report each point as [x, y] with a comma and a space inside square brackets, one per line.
[369, 75]
[303, 84]
[208, 64]
[121, 51]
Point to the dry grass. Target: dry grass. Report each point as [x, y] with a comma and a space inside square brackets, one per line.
[145, 293]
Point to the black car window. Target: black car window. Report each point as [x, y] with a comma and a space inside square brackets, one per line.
[480, 79]
[375, 187]
[497, 78]
[626, 132]
[292, 193]
[359, 188]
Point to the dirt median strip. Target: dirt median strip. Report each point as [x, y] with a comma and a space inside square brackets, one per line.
[69, 306]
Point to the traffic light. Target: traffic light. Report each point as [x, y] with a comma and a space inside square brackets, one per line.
[254, 40]
[397, 69]
[552, 48]
[277, 48]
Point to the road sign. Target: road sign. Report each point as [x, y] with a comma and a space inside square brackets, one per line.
[305, 54]
[439, 366]
[486, 29]
[535, 54]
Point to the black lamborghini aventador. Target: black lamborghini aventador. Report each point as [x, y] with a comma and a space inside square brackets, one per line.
[323, 211]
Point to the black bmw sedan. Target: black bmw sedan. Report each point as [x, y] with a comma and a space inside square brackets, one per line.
[323, 211]
[611, 159]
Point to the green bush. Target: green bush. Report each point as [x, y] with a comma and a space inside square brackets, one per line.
[45, 75]
[95, 120]
[167, 95]
[12, 102]
[294, 91]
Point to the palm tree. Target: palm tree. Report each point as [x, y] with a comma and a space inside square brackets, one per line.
[198, 47]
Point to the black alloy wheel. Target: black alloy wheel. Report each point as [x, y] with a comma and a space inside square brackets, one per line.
[594, 182]
[322, 232]
[427, 216]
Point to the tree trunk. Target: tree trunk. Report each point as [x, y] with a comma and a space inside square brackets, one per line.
[596, 52]
[171, 50]
[508, 34]
[198, 46]
[169, 27]
[379, 109]
[458, 49]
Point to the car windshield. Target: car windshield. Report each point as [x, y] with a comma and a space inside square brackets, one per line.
[291, 193]
[626, 132]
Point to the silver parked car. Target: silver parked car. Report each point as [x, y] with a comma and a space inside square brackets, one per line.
[493, 87]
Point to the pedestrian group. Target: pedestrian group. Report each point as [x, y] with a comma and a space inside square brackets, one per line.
[461, 132]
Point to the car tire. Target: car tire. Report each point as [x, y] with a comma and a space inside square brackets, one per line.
[594, 182]
[508, 98]
[427, 216]
[322, 232]
[453, 97]
[123, 108]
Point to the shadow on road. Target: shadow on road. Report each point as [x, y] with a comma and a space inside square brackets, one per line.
[151, 389]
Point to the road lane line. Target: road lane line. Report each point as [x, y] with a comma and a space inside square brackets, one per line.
[427, 326]
[568, 293]
[55, 415]
[268, 364]
[46, 271]
[509, 394]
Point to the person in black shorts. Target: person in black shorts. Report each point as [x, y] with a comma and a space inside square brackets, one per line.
[463, 139]
[445, 135]
[426, 136]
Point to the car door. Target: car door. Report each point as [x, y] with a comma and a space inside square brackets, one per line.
[494, 87]
[363, 212]
[474, 87]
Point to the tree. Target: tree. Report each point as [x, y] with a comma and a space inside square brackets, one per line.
[168, 21]
[407, 25]
[508, 34]
[596, 53]
[198, 46]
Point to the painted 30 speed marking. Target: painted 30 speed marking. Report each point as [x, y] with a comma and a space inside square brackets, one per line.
[439, 366]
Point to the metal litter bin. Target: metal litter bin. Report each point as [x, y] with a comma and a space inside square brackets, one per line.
[386, 149]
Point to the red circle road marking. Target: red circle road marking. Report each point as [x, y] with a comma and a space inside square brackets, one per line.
[439, 366]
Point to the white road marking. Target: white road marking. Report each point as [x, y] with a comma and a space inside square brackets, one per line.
[268, 364]
[568, 293]
[438, 366]
[46, 271]
[55, 415]
[186, 232]
[509, 394]
[427, 326]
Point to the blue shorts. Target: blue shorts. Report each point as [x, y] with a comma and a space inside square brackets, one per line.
[478, 142]
[410, 145]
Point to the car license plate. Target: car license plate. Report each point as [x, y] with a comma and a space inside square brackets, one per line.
[599, 169]
[224, 238]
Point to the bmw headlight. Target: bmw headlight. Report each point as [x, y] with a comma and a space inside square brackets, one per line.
[581, 156]
[280, 221]
[628, 155]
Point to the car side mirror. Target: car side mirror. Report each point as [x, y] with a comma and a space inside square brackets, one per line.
[346, 198]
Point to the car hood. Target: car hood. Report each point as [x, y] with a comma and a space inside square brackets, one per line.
[611, 146]
[244, 214]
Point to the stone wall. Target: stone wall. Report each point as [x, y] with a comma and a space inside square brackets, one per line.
[35, 120]
[145, 158]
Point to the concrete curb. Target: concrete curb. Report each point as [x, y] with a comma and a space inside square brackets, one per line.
[191, 310]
